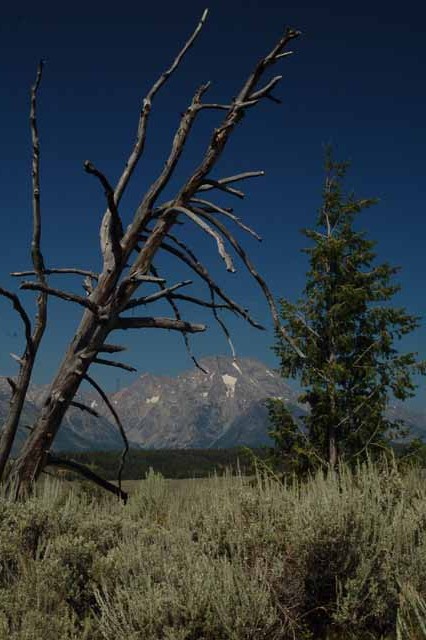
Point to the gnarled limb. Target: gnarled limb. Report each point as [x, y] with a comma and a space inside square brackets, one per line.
[58, 293]
[85, 472]
[158, 323]
[84, 407]
[112, 227]
[165, 292]
[113, 363]
[178, 317]
[60, 271]
[213, 208]
[268, 295]
[200, 302]
[146, 110]
[205, 227]
[119, 424]
[201, 271]
[23, 314]
[111, 348]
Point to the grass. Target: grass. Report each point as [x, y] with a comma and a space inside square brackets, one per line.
[181, 485]
[337, 557]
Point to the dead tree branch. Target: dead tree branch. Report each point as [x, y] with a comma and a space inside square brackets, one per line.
[145, 209]
[112, 227]
[113, 363]
[208, 183]
[205, 227]
[146, 110]
[12, 384]
[252, 270]
[119, 424]
[111, 348]
[84, 407]
[136, 276]
[214, 208]
[199, 302]
[58, 293]
[223, 183]
[23, 314]
[178, 317]
[222, 324]
[158, 323]
[71, 465]
[212, 305]
[201, 270]
[137, 302]
[266, 90]
[65, 270]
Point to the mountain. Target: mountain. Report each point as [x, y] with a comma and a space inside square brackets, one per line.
[414, 419]
[79, 431]
[221, 407]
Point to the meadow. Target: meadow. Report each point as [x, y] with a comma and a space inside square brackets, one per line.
[225, 558]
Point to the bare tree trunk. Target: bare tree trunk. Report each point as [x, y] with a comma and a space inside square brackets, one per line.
[11, 424]
[33, 338]
[81, 352]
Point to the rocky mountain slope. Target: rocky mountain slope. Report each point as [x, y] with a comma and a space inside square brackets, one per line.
[79, 431]
[223, 407]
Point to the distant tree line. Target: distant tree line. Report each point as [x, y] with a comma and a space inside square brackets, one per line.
[171, 463]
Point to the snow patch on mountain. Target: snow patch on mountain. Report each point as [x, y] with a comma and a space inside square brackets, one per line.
[230, 383]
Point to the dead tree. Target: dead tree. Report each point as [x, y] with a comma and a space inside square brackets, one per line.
[128, 264]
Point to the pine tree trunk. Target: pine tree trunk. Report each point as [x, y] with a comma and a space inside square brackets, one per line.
[332, 447]
[332, 430]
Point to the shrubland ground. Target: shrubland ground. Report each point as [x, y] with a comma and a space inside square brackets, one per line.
[337, 556]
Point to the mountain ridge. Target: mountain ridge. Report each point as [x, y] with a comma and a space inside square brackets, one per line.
[219, 408]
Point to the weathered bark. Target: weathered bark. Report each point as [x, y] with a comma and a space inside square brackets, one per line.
[28, 466]
[11, 423]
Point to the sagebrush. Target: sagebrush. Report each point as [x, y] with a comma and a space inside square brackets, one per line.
[340, 555]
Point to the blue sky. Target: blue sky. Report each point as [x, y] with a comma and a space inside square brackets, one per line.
[356, 80]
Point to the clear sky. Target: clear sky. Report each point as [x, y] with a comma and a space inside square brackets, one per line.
[356, 80]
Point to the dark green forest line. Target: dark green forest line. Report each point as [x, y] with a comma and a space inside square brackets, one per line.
[199, 463]
[171, 463]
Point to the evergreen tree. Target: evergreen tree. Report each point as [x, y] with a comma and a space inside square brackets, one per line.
[347, 330]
